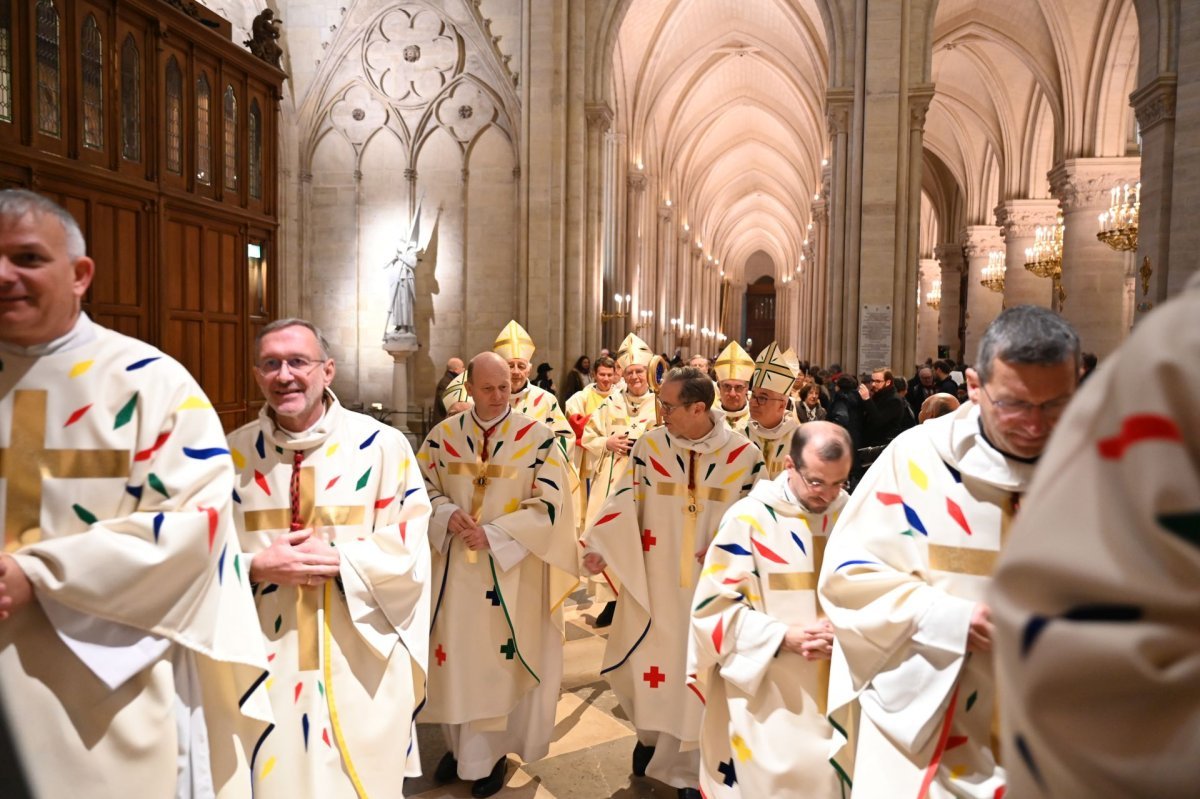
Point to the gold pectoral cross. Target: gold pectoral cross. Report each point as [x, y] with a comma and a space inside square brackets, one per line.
[691, 494]
[26, 463]
[308, 600]
[482, 475]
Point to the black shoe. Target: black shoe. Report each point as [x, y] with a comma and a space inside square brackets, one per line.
[689, 793]
[447, 769]
[641, 758]
[493, 782]
[606, 616]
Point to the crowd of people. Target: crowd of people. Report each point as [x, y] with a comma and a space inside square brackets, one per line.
[816, 584]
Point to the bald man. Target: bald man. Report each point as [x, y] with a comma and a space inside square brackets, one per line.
[504, 558]
[454, 367]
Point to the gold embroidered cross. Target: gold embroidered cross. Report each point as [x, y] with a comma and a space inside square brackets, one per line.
[26, 463]
[482, 475]
[308, 599]
[691, 495]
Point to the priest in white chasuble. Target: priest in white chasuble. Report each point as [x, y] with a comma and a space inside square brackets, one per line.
[910, 560]
[652, 533]
[455, 398]
[332, 513]
[580, 407]
[772, 421]
[516, 347]
[1096, 594]
[760, 646]
[130, 664]
[505, 556]
[734, 367]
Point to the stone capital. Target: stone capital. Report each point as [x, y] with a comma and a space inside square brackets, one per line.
[838, 104]
[950, 256]
[1154, 103]
[665, 212]
[599, 116]
[919, 97]
[978, 241]
[410, 174]
[1083, 184]
[1022, 218]
[636, 181]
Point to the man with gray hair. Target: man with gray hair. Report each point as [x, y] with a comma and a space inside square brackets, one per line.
[332, 512]
[126, 637]
[910, 561]
[653, 532]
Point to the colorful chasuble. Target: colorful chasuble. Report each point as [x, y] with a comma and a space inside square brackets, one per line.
[764, 731]
[1095, 598]
[116, 500]
[661, 512]
[490, 636]
[542, 406]
[910, 557]
[580, 407]
[348, 658]
[775, 444]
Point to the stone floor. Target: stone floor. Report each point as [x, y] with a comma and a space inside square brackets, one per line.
[592, 745]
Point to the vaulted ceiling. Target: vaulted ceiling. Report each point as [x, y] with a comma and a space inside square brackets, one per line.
[723, 101]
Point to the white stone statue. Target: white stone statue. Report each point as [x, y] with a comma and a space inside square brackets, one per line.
[400, 320]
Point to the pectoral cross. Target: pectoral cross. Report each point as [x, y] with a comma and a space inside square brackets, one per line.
[26, 463]
[306, 516]
[691, 494]
[482, 475]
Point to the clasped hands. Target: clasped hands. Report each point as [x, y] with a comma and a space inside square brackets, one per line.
[463, 525]
[811, 642]
[296, 558]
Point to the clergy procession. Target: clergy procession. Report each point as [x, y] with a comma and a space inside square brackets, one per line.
[809, 584]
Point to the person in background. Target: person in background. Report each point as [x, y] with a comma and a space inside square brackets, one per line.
[543, 380]
[454, 367]
[578, 378]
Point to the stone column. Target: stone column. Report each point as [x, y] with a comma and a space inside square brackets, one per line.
[599, 120]
[839, 105]
[1018, 221]
[983, 304]
[400, 347]
[1154, 105]
[927, 318]
[635, 249]
[1093, 274]
[950, 256]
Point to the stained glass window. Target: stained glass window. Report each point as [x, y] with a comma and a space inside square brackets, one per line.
[6, 60]
[231, 140]
[255, 151]
[92, 50]
[48, 77]
[131, 101]
[203, 131]
[174, 117]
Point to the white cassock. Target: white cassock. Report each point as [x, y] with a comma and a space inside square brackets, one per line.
[1096, 597]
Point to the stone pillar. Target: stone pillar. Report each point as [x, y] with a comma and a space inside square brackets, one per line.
[927, 318]
[1093, 274]
[1018, 221]
[950, 256]
[635, 250]
[599, 119]
[400, 347]
[1154, 105]
[839, 104]
[983, 304]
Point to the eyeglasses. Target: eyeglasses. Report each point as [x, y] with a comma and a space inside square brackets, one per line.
[667, 407]
[763, 399]
[269, 367]
[821, 485]
[1012, 409]
[733, 388]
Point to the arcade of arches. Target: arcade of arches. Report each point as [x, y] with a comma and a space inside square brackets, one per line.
[706, 161]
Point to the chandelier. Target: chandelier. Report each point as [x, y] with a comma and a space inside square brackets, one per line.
[933, 297]
[1044, 258]
[1119, 224]
[993, 273]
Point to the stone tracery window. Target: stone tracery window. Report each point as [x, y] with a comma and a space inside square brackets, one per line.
[203, 131]
[174, 117]
[255, 151]
[6, 60]
[92, 57]
[231, 139]
[131, 101]
[49, 79]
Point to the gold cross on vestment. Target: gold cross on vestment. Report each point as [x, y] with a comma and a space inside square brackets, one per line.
[26, 463]
[691, 510]
[482, 475]
[970, 560]
[308, 599]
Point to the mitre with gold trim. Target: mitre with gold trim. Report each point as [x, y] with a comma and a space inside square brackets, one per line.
[734, 363]
[514, 342]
